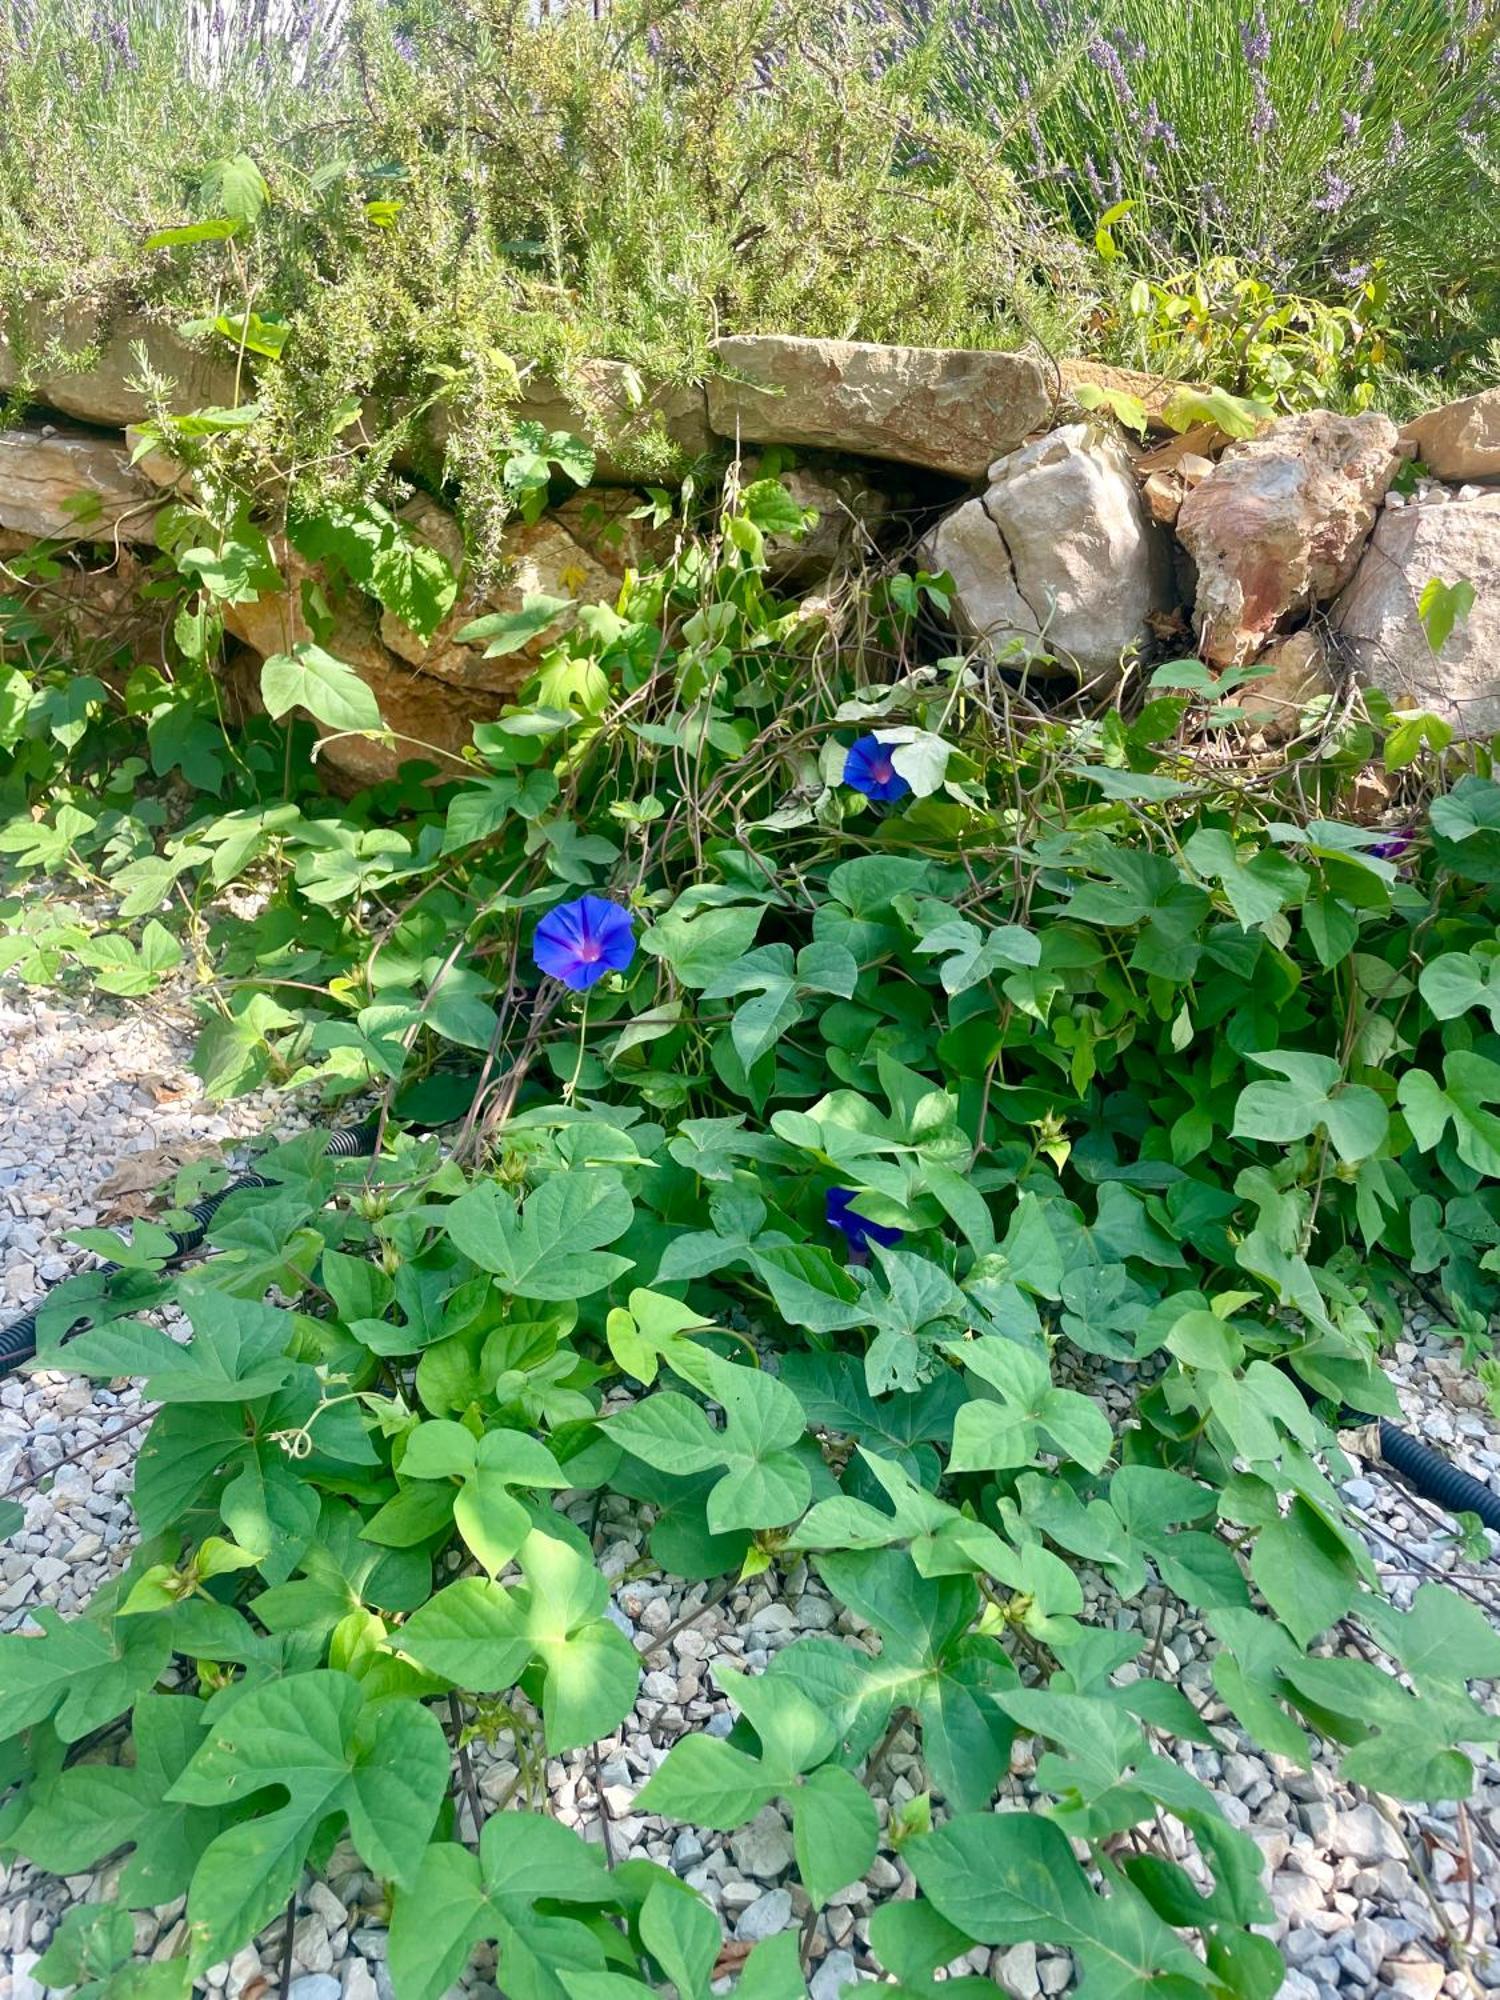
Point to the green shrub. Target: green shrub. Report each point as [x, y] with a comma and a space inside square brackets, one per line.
[453, 192]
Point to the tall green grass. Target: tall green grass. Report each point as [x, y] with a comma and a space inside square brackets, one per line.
[1307, 138]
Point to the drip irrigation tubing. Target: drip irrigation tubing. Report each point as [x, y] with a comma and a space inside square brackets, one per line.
[1437, 1478]
[1426, 1471]
[351, 1142]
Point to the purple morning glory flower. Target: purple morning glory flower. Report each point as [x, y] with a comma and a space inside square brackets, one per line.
[868, 769]
[1392, 847]
[856, 1231]
[579, 942]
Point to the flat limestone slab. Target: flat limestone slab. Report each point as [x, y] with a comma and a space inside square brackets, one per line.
[948, 409]
[100, 391]
[62, 486]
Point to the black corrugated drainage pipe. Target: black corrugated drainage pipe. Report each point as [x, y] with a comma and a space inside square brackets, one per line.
[1426, 1471]
[354, 1142]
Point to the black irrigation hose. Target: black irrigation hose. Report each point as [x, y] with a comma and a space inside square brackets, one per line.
[354, 1142]
[1430, 1475]
[1437, 1478]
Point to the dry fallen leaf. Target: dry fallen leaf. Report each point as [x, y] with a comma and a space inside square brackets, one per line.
[163, 1089]
[1202, 441]
[126, 1194]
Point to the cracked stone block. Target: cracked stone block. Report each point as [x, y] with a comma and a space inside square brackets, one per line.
[1057, 565]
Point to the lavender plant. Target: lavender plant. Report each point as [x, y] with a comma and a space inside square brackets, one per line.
[1312, 140]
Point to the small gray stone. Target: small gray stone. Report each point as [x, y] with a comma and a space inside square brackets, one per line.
[764, 1847]
[832, 1976]
[767, 1915]
[1241, 1774]
[687, 1852]
[1016, 1971]
[1301, 1947]
[1297, 1986]
[1054, 1973]
[1365, 1836]
[359, 1980]
[1413, 1978]
[1295, 1895]
[311, 1948]
[314, 1986]
[22, 1985]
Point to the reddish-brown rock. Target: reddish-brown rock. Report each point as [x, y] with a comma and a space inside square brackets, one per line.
[1279, 525]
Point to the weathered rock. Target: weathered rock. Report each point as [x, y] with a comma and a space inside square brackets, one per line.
[72, 487]
[1058, 557]
[851, 507]
[84, 363]
[1279, 525]
[432, 691]
[431, 718]
[949, 410]
[548, 560]
[1273, 702]
[1461, 440]
[1164, 494]
[1378, 621]
[1165, 488]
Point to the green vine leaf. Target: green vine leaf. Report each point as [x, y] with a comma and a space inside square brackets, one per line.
[549, 1248]
[1008, 1878]
[1314, 1095]
[80, 1673]
[91, 1809]
[764, 1484]
[483, 1636]
[458, 1898]
[329, 689]
[382, 1766]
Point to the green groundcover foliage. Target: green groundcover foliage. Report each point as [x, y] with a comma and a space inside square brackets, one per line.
[992, 1172]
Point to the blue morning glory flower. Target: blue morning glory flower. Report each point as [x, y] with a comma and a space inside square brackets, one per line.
[1393, 846]
[579, 942]
[868, 769]
[857, 1231]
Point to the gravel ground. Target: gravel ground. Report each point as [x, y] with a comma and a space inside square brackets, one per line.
[1370, 1898]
